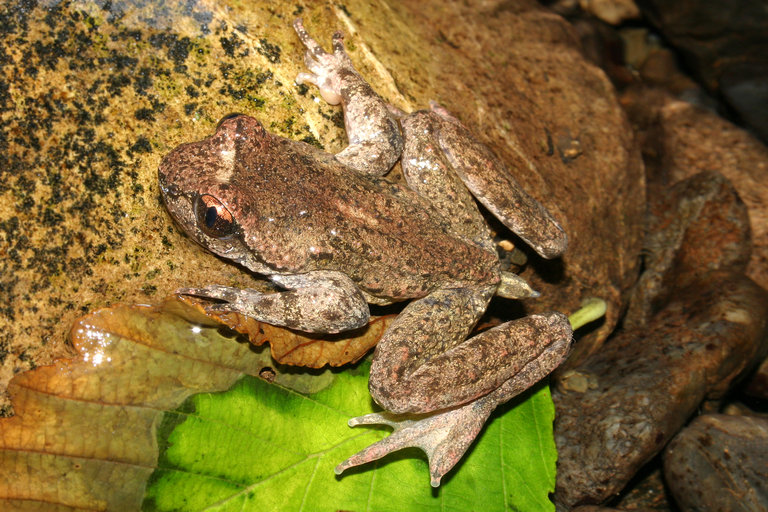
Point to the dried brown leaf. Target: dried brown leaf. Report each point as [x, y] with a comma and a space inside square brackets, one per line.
[299, 348]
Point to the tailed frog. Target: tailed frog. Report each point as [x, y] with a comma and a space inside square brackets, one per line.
[336, 235]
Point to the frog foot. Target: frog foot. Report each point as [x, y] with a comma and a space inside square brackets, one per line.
[443, 436]
[233, 300]
[327, 69]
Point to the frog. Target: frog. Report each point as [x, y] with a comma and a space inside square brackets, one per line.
[335, 234]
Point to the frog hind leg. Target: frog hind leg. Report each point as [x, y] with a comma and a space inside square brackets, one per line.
[491, 182]
[444, 436]
[428, 172]
[430, 368]
[426, 362]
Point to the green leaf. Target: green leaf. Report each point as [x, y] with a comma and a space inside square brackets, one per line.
[261, 446]
[164, 409]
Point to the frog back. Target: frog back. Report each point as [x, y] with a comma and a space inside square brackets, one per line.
[308, 212]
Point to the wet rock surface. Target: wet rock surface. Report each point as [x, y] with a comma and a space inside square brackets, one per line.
[680, 139]
[98, 93]
[646, 383]
[720, 462]
[697, 226]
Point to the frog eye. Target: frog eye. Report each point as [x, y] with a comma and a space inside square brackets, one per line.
[213, 218]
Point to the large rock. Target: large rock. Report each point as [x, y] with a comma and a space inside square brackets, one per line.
[680, 139]
[697, 226]
[644, 384]
[719, 462]
[696, 324]
[94, 97]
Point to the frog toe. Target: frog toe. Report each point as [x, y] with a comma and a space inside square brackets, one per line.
[379, 418]
[215, 291]
[218, 309]
[309, 43]
[327, 70]
[444, 437]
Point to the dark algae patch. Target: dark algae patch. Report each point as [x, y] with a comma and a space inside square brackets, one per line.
[86, 95]
[92, 95]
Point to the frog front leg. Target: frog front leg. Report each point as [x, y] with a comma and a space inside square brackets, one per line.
[321, 302]
[424, 364]
[375, 142]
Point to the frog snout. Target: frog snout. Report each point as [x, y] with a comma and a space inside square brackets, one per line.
[240, 126]
[168, 176]
[227, 117]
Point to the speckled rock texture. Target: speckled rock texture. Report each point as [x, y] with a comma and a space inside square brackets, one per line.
[720, 462]
[94, 94]
[680, 140]
[697, 226]
[645, 384]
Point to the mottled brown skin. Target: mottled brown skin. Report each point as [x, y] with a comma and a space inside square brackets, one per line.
[303, 211]
[337, 236]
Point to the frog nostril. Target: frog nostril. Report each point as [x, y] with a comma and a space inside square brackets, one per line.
[213, 218]
[167, 187]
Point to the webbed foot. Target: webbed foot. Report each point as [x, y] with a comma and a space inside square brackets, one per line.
[444, 436]
[327, 69]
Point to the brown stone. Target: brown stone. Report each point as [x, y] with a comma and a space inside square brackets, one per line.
[723, 44]
[695, 324]
[695, 227]
[719, 462]
[95, 98]
[611, 11]
[648, 382]
[680, 140]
